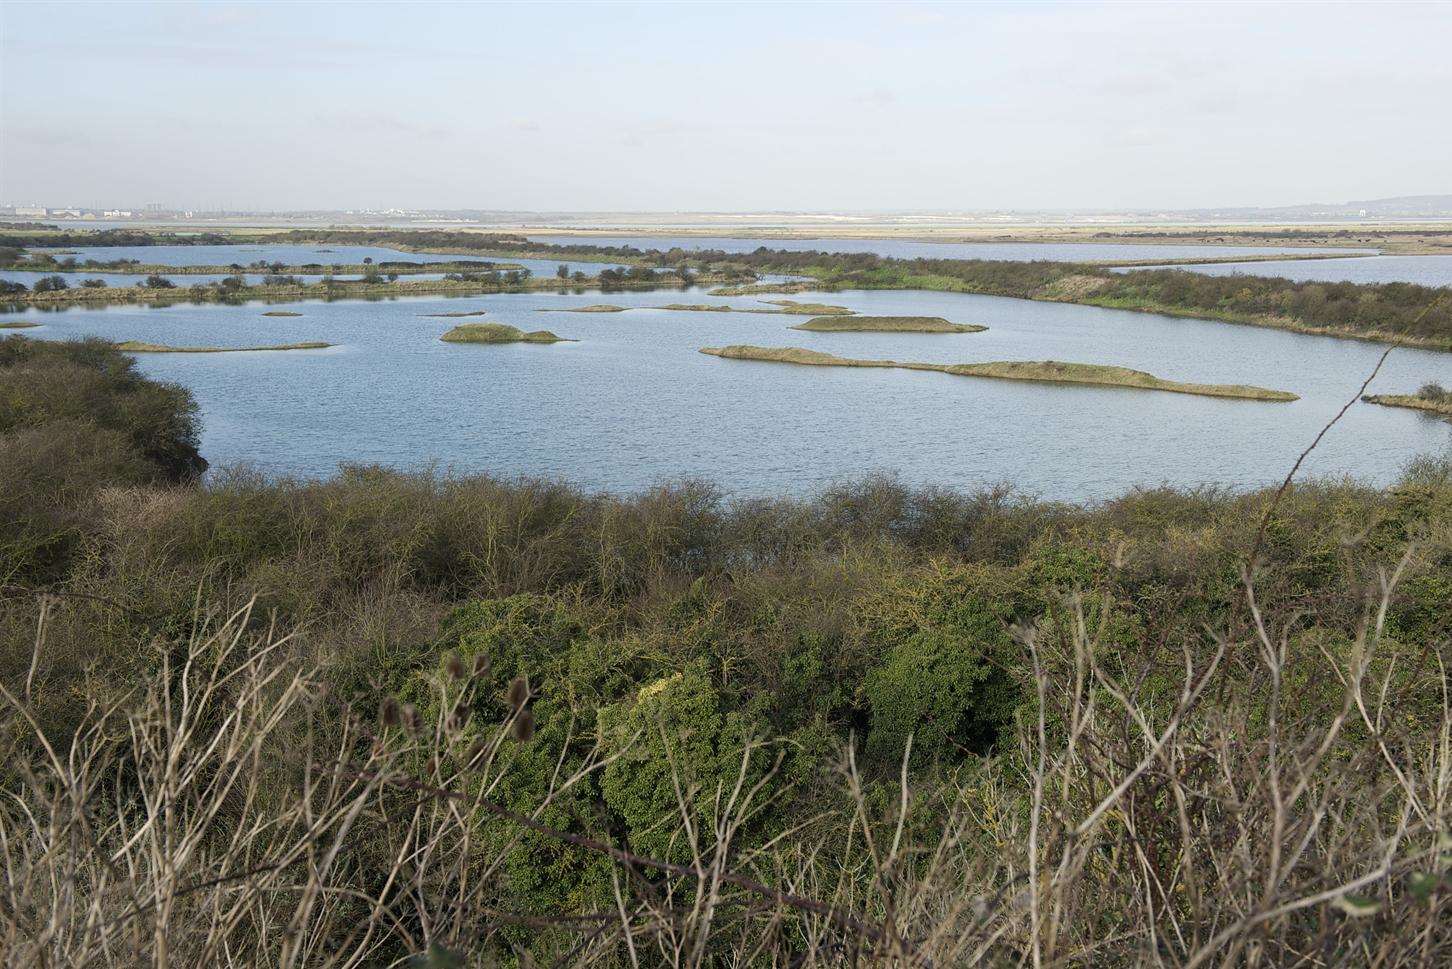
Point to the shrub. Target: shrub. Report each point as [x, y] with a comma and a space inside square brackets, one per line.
[944, 641]
[674, 743]
[89, 380]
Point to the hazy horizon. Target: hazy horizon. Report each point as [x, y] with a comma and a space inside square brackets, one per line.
[709, 109]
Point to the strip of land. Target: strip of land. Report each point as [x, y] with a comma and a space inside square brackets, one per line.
[133, 268]
[1040, 371]
[137, 346]
[887, 324]
[785, 307]
[18, 325]
[1442, 407]
[328, 290]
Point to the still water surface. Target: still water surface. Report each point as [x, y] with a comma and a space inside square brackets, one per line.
[634, 402]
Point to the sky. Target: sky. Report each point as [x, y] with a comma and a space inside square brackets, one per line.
[738, 107]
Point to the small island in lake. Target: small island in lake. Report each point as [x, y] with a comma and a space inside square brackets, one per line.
[887, 324]
[458, 314]
[794, 308]
[1431, 398]
[18, 325]
[592, 308]
[499, 333]
[787, 307]
[281, 313]
[1041, 371]
[137, 346]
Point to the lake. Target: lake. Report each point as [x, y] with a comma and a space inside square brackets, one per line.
[634, 402]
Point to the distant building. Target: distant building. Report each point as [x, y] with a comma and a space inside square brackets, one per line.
[117, 214]
[32, 210]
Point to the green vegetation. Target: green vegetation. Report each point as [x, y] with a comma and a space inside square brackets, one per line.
[592, 308]
[1432, 398]
[470, 721]
[137, 346]
[1041, 371]
[498, 333]
[887, 324]
[281, 313]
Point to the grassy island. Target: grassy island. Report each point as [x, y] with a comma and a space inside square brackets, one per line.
[755, 289]
[18, 325]
[1431, 398]
[281, 313]
[1041, 371]
[498, 333]
[456, 315]
[700, 308]
[794, 308]
[592, 308]
[137, 346]
[887, 324]
[786, 307]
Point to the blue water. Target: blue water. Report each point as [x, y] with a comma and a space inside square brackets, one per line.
[1422, 270]
[634, 402]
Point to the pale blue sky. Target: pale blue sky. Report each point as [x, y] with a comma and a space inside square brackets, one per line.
[739, 107]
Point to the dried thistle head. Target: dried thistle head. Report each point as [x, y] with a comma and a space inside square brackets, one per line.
[518, 692]
[524, 726]
[459, 716]
[481, 665]
[388, 714]
[411, 719]
[455, 666]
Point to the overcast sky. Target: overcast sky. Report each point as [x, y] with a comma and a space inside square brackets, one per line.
[723, 107]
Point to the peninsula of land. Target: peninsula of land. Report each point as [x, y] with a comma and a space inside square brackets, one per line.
[1040, 371]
